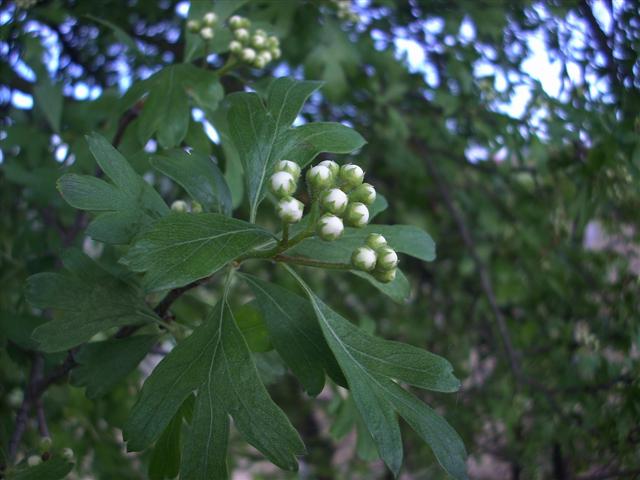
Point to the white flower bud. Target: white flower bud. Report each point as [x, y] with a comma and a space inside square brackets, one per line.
[258, 40]
[387, 258]
[290, 210]
[68, 453]
[34, 460]
[351, 175]
[246, 23]
[259, 62]
[242, 34]
[332, 166]
[329, 227]
[364, 193]
[180, 206]
[266, 56]
[385, 276]
[193, 26]
[45, 443]
[319, 177]
[364, 258]
[288, 166]
[276, 53]
[235, 22]
[335, 201]
[357, 215]
[375, 241]
[273, 42]
[235, 46]
[248, 54]
[282, 184]
[210, 19]
[207, 33]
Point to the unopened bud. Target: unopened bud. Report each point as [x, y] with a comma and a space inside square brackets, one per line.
[351, 175]
[332, 166]
[68, 453]
[34, 460]
[290, 210]
[193, 25]
[207, 33]
[45, 443]
[330, 227]
[364, 258]
[375, 241]
[248, 54]
[258, 40]
[288, 166]
[334, 201]
[385, 276]
[273, 42]
[235, 46]
[276, 53]
[364, 193]
[282, 184]
[356, 215]
[196, 207]
[319, 177]
[387, 258]
[259, 62]
[235, 22]
[180, 206]
[210, 19]
[265, 56]
[242, 34]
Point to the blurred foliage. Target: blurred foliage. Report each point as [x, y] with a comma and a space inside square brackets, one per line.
[533, 296]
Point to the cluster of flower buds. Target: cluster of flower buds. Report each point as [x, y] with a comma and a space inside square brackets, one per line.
[180, 206]
[204, 26]
[345, 10]
[25, 4]
[342, 195]
[255, 48]
[283, 184]
[377, 258]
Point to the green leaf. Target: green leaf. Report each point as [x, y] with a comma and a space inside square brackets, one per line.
[372, 366]
[55, 468]
[122, 36]
[199, 176]
[262, 133]
[406, 239]
[166, 109]
[295, 334]
[166, 455]
[252, 327]
[101, 365]
[215, 361]
[379, 205]
[126, 206]
[18, 328]
[398, 290]
[85, 301]
[183, 247]
[49, 99]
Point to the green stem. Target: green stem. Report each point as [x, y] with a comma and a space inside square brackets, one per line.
[285, 234]
[227, 66]
[309, 262]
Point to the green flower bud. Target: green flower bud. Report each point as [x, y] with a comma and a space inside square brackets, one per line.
[34, 460]
[258, 40]
[45, 444]
[68, 453]
[356, 215]
[351, 175]
[334, 201]
[319, 178]
[290, 210]
[375, 241]
[385, 276]
[282, 184]
[387, 258]
[242, 35]
[332, 166]
[364, 193]
[180, 206]
[273, 42]
[259, 62]
[235, 22]
[265, 56]
[329, 227]
[196, 207]
[248, 54]
[364, 258]
[288, 166]
[246, 23]
[276, 53]
[210, 19]
[193, 26]
[207, 33]
[235, 46]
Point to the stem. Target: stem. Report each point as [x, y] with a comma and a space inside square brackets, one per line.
[227, 66]
[285, 234]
